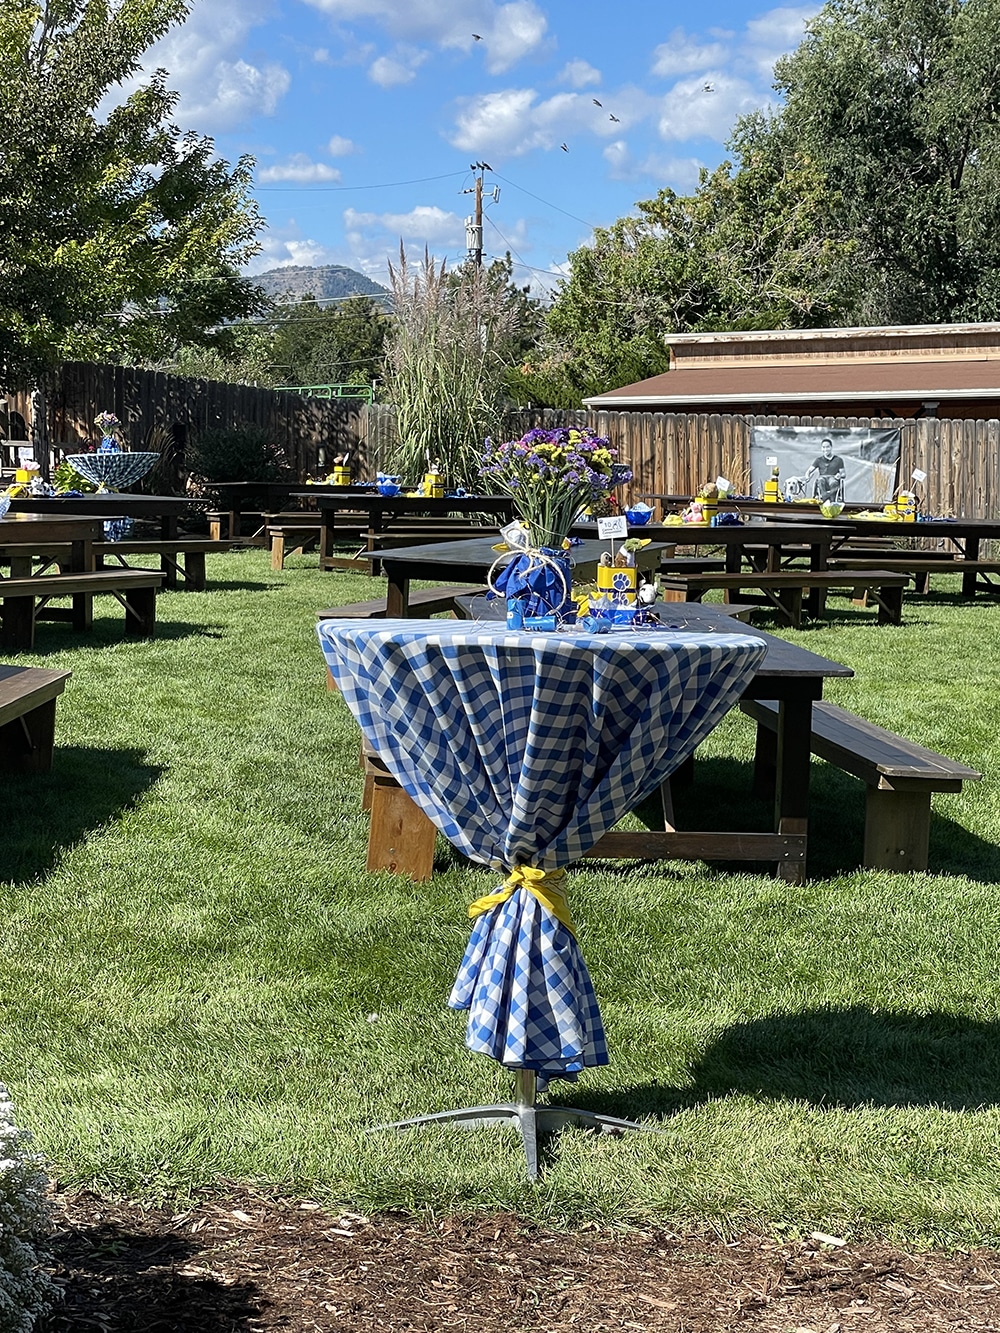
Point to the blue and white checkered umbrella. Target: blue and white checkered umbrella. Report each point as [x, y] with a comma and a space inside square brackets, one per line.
[524, 749]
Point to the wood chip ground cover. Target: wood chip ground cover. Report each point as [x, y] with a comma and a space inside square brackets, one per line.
[243, 1261]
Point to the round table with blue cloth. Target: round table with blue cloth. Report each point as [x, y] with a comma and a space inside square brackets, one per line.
[524, 748]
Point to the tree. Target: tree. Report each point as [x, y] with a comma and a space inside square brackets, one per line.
[340, 344]
[121, 237]
[897, 102]
[754, 247]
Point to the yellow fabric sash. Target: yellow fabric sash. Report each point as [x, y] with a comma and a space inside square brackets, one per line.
[548, 886]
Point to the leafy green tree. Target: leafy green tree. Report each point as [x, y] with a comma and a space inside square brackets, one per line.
[897, 102]
[339, 344]
[754, 247]
[120, 237]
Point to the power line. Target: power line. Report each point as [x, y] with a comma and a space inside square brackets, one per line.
[340, 189]
[548, 203]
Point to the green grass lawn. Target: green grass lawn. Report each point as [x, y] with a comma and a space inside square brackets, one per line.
[200, 981]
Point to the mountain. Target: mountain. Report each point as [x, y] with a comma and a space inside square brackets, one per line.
[324, 281]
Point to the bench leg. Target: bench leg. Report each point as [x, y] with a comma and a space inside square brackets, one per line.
[789, 602]
[140, 613]
[18, 620]
[401, 837]
[897, 829]
[890, 606]
[170, 568]
[26, 743]
[278, 551]
[195, 576]
[83, 611]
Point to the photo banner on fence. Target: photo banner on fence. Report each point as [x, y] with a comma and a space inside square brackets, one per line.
[855, 464]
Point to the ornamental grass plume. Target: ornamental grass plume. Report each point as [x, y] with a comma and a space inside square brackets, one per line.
[551, 475]
[449, 351]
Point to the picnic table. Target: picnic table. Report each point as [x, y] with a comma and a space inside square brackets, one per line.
[470, 561]
[964, 537]
[167, 509]
[524, 749]
[382, 509]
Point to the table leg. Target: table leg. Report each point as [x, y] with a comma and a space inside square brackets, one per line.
[326, 537]
[524, 1114]
[816, 599]
[969, 579]
[397, 597]
[791, 788]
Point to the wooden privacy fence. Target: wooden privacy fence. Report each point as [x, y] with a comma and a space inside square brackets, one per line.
[670, 453]
[308, 431]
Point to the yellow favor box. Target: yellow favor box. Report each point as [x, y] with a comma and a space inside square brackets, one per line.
[617, 583]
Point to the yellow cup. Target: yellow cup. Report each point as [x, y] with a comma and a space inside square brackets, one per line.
[617, 584]
[341, 475]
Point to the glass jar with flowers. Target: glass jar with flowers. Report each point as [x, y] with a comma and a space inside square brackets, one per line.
[551, 475]
[110, 428]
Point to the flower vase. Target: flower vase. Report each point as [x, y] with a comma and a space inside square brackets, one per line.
[108, 445]
[540, 581]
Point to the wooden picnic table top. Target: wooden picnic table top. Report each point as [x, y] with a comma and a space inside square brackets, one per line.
[106, 504]
[17, 529]
[476, 555]
[744, 534]
[333, 499]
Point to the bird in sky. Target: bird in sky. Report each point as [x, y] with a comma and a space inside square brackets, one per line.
[564, 147]
[708, 88]
[615, 119]
[596, 102]
[476, 37]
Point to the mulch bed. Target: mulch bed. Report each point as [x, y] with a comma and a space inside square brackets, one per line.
[241, 1261]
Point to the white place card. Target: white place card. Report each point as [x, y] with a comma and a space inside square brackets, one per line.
[614, 527]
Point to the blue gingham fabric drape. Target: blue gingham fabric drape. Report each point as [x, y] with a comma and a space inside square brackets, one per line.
[524, 749]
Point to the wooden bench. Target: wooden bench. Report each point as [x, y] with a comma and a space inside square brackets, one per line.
[26, 600]
[28, 698]
[430, 601]
[899, 774]
[784, 589]
[920, 565]
[192, 551]
[288, 536]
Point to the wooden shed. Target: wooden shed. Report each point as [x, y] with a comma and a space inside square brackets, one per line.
[904, 371]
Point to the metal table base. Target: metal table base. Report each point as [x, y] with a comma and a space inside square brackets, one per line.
[524, 1114]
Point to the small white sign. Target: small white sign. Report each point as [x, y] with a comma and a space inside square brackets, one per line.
[917, 475]
[724, 485]
[772, 461]
[25, 454]
[615, 526]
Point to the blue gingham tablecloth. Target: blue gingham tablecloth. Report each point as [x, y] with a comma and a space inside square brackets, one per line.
[524, 749]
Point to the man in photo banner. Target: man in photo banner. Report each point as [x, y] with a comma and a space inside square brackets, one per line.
[829, 471]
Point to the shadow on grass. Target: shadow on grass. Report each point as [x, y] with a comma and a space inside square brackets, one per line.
[115, 1277]
[723, 789]
[848, 1058]
[51, 639]
[55, 810]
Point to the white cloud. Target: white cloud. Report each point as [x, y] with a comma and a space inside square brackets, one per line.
[398, 68]
[218, 90]
[683, 54]
[340, 147]
[578, 74]
[298, 168]
[688, 111]
[425, 224]
[512, 122]
[678, 173]
[621, 166]
[508, 32]
[283, 251]
[774, 33]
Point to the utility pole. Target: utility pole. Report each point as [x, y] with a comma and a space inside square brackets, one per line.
[474, 223]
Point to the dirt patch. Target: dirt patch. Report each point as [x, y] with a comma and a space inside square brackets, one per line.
[245, 1262]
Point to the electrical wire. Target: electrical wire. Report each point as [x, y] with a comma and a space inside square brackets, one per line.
[547, 202]
[340, 189]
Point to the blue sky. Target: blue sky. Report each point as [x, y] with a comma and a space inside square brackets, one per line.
[365, 115]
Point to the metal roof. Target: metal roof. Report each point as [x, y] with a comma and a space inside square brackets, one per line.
[849, 381]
